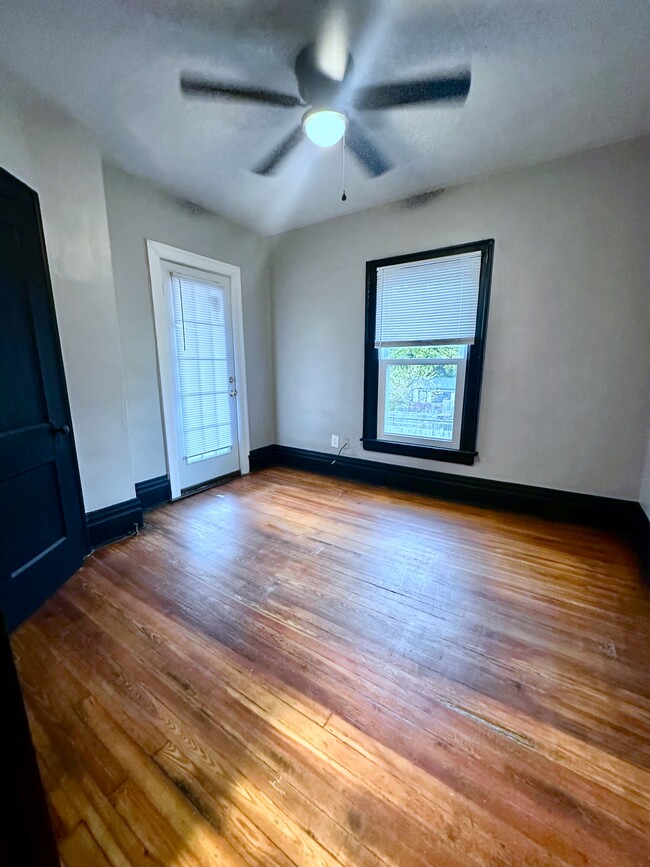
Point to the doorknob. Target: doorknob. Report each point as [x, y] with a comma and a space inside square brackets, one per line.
[59, 428]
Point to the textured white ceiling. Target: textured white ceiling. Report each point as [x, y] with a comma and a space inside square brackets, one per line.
[549, 77]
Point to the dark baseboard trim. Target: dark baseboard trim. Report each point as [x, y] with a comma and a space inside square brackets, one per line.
[605, 512]
[259, 459]
[153, 492]
[113, 522]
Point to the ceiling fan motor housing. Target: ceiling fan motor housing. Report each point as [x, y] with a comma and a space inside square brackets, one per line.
[316, 88]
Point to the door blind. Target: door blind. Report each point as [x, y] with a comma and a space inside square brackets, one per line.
[201, 334]
[429, 302]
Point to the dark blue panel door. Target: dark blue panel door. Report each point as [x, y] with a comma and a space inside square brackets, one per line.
[42, 525]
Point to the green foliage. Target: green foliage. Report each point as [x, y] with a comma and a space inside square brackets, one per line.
[424, 352]
[404, 378]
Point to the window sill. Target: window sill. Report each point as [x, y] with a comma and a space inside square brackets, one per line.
[454, 456]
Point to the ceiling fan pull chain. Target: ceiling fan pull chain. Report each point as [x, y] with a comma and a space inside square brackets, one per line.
[344, 198]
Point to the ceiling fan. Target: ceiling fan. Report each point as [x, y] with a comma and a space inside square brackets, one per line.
[332, 106]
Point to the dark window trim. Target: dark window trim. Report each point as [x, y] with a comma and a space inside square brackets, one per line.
[474, 370]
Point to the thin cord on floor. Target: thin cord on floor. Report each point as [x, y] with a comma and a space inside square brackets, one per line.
[338, 454]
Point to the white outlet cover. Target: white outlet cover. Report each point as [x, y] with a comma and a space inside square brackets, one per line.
[335, 441]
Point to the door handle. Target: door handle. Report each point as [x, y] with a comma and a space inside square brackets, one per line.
[59, 428]
[233, 393]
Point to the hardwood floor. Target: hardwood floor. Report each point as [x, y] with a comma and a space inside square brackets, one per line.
[297, 670]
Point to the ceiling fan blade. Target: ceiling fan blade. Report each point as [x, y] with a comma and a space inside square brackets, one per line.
[365, 151]
[441, 89]
[267, 165]
[202, 87]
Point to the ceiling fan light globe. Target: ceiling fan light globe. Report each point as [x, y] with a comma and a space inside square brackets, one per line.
[325, 127]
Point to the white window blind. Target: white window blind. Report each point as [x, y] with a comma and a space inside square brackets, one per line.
[201, 334]
[433, 301]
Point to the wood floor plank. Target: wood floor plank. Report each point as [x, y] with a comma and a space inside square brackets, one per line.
[80, 849]
[506, 683]
[57, 711]
[178, 813]
[116, 838]
[331, 800]
[95, 824]
[218, 749]
[505, 676]
[218, 808]
[157, 836]
[297, 670]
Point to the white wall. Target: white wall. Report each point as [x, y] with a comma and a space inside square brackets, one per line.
[138, 210]
[567, 373]
[58, 159]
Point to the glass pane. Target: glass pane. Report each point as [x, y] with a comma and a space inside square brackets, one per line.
[203, 368]
[420, 400]
[423, 352]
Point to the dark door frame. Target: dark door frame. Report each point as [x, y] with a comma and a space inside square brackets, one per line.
[26, 835]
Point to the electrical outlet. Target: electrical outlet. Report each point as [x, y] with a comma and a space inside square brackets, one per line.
[335, 441]
[346, 442]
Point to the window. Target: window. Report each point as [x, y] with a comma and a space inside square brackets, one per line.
[426, 318]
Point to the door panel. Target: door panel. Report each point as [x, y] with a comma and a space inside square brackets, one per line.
[201, 342]
[43, 514]
[23, 401]
[42, 524]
